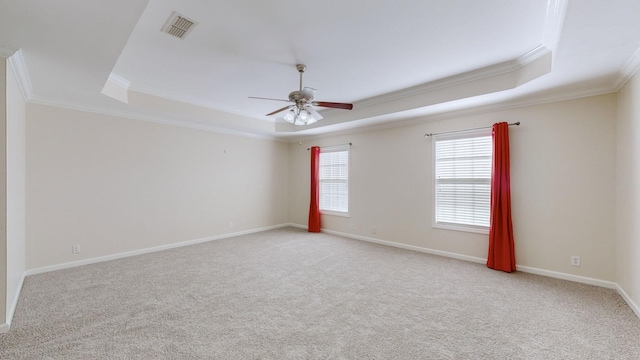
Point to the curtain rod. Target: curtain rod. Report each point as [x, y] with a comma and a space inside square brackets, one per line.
[308, 149]
[455, 131]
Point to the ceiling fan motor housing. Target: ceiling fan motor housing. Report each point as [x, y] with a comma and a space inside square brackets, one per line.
[296, 96]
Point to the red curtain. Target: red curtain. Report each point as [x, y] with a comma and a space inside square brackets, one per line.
[501, 250]
[314, 204]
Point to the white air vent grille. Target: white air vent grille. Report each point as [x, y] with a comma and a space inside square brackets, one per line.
[178, 25]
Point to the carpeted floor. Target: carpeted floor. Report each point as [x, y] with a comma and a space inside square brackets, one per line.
[288, 294]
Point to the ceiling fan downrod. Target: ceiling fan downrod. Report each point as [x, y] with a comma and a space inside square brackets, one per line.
[301, 68]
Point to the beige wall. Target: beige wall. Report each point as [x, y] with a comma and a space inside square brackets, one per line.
[15, 190]
[628, 189]
[562, 173]
[114, 185]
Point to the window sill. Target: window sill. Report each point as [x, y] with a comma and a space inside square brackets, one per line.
[334, 213]
[465, 228]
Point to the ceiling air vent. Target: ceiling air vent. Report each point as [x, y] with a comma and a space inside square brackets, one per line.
[178, 25]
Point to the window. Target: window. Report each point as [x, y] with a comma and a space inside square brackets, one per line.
[463, 180]
[334, 180]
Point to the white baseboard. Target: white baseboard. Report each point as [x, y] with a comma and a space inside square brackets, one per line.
[569, 277]
[409, 247]
[146, 250]
[305, 227]
[4, 328]
[526, 269]
[630, 302]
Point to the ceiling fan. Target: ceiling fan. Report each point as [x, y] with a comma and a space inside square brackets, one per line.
[301, 112]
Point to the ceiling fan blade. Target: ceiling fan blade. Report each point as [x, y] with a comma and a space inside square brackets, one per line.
[281, 109]
[334, 105]
[261, 98]
[316, 115]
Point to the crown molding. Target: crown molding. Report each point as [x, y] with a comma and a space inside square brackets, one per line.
[19, 67]
[526, 59]
[185, 99]
[556, 12]
[455, 80]
[470, 76]
[147, 117]
[413, 120]
[116, 88]
[520, 103]
[628, 70]
[471, 111]
[119, 80]
[22, 75]
[6, 51]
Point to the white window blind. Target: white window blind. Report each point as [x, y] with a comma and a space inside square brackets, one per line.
[334, 179]
[463, 180]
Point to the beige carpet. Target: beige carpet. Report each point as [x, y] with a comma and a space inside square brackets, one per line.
[288, 294]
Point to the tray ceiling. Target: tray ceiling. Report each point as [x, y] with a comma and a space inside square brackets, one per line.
[395, 61]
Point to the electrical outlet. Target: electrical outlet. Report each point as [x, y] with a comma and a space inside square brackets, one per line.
[575, 260]
[353, 226]
[75, 249]
[374, 231]
[230, 225]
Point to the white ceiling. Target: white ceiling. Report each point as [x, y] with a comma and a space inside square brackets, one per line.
[396, 61]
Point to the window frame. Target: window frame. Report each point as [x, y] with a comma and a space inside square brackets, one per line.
[434, 187]
[329, 149]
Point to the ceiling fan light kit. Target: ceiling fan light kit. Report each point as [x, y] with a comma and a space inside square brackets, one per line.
[302, 111]
[300, 117]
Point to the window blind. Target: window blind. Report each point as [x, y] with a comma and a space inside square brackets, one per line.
[334, 179]
[463, 179]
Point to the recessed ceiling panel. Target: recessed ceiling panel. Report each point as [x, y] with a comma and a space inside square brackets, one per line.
[353, 50]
